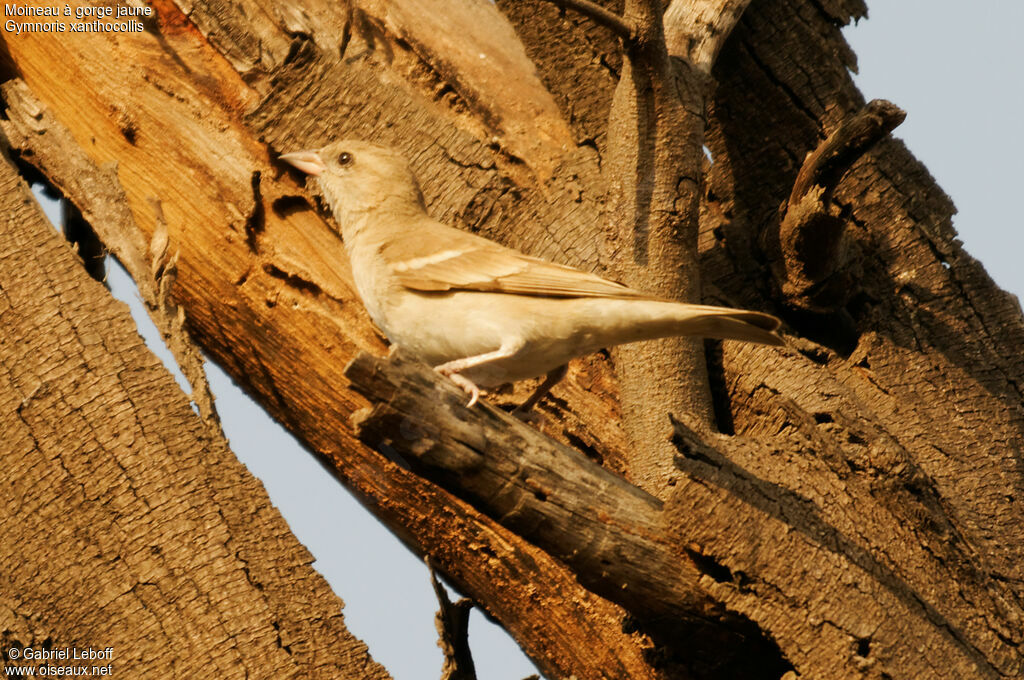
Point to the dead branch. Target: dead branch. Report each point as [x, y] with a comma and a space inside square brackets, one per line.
[807, 252]
[452, 623]
[827, 164]
[601, 526]
[599, 15]
[610, 533]
[697, 29]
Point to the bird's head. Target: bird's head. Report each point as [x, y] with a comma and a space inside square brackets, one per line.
[358, 178]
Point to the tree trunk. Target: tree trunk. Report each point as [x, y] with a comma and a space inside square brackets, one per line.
[858, 512]
[127, 526]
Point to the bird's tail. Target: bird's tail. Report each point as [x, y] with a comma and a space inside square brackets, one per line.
[729, 324]
[594, 323]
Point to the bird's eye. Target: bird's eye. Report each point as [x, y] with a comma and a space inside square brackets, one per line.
[344, 158]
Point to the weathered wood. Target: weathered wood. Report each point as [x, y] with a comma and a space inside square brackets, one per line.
[837, 435]
[903, 426]
[825, 166]
[865, 513]
[653, 164]
[101, 202]
[607, 530]
[484, 77]
[600, 525]
[806, 247]
[696, 30]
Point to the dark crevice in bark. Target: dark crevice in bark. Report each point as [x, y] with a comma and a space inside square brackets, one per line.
[255, 221]
[284, 206]
[721, 401]
[84, 240]
[293, 280]
[744, 651]
[837, 331]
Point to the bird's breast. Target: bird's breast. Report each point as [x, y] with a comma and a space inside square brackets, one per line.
[373, 284]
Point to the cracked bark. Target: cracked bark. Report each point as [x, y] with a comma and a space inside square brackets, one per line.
[807, 251]
[866, 505]
[101, 202]
[126, 522]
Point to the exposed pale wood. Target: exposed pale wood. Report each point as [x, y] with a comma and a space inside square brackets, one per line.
[696, 30]
[439, 46]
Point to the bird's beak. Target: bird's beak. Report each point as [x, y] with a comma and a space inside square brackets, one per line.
[308, 162]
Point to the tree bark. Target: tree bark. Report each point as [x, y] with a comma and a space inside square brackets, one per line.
[125, 524]
[653, 164]
[858, 515]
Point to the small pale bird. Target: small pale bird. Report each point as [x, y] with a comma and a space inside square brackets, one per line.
[478, 312]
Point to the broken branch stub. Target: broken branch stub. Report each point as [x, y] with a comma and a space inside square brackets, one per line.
[605, 529]
[809, 257]
[609, 532]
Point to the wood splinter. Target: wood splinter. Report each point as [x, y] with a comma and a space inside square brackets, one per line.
[807, 253]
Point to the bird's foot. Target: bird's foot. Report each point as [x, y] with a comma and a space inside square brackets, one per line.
[465, 383]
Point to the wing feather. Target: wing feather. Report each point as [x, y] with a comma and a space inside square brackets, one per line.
[436, 260]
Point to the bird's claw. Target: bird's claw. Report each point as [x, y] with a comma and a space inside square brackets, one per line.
[466, 384]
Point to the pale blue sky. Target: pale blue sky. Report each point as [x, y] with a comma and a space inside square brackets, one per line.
[956, 70]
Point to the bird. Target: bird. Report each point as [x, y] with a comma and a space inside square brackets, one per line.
[478, 312]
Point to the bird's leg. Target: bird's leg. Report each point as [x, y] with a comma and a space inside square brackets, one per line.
[466, 384]
[451, 369]
[554, 376]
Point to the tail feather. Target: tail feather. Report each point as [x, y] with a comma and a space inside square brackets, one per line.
[733, 324]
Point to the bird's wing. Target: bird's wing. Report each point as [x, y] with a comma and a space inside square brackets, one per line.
[440, 258]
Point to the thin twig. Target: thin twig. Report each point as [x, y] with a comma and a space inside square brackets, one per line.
[598, 15]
